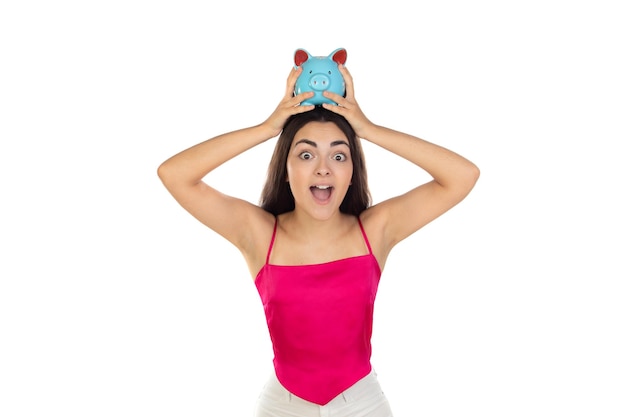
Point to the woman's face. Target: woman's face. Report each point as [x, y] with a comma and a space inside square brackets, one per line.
[319, 169]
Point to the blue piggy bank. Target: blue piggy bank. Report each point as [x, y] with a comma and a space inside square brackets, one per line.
[319, 74]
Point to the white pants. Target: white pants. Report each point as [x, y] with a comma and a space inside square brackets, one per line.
[363, 399]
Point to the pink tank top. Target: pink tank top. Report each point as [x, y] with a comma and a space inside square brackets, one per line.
[319, 319]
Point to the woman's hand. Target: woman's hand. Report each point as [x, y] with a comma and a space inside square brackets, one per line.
[289, 105]
[348, 107]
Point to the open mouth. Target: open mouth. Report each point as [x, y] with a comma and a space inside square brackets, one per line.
[322, 193]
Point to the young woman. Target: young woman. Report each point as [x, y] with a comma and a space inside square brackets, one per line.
[315, 246]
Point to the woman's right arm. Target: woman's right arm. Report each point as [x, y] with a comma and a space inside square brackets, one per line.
[183, 174]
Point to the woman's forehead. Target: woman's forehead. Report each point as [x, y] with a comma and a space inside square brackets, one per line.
[319, 132]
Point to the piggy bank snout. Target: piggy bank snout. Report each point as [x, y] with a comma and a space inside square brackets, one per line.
[319, 82]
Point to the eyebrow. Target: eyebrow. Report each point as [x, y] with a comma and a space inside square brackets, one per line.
[310, 142]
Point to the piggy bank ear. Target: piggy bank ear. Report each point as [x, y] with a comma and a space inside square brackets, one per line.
[300, 57]
[339, 56]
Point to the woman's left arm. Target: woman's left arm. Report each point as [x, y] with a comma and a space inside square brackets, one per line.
[453, 175]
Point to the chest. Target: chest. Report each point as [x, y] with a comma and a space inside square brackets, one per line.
[297, 251]
[345, 282]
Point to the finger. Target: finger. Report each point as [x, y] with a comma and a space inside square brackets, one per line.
[334, 108]
[347, 77]
[303, 96]
[291, 80]
[302, 109]
[293, 101]
[339, 99]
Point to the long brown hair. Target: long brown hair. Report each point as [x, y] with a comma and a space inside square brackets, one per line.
[277, 198]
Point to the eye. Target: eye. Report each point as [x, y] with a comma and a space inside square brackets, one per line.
[341, 157]
[306, 155]
[329, 72]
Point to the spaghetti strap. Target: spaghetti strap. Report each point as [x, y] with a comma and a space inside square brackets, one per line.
[367, 242]
[269, 250]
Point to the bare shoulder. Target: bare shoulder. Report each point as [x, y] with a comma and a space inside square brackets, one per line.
[254, 247]
[374, 221]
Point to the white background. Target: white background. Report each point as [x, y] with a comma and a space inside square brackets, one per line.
[115, 302]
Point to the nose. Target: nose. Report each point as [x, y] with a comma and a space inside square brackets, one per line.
[322, 169]
[319, 82]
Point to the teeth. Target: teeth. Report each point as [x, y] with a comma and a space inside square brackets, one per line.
[322, 187]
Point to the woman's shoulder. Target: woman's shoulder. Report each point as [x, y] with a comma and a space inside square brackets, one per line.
[263, 226]
[373, 220]
[259, 235]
